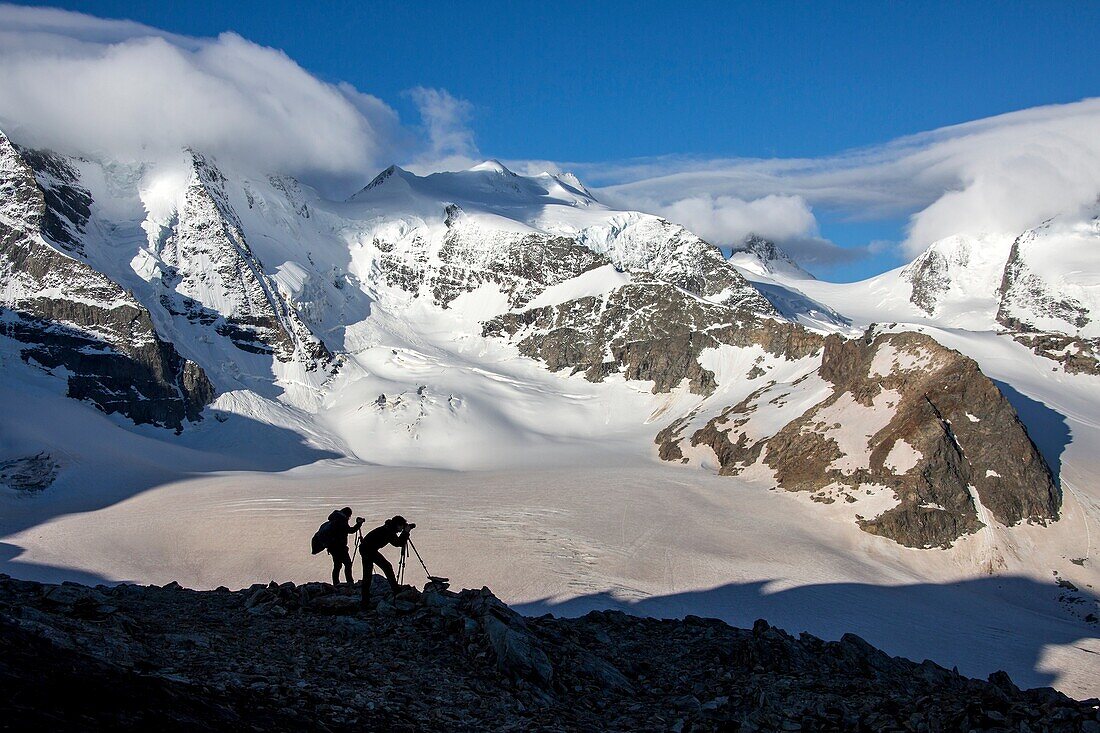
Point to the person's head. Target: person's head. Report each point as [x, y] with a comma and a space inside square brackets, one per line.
[397, 522]
[346, 511]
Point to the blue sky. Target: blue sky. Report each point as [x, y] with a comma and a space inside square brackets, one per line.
[598, 83]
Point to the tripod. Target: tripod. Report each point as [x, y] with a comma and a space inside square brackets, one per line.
[404, 555]
[358, 541]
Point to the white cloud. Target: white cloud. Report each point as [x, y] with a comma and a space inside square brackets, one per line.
[1004, 173]
[445, 120]
[727, 220]
[85, 85]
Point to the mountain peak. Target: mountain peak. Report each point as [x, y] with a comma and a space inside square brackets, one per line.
[770, 256]
[765, 249]
[573, 184]
[492, 166]
[384, 176]
[388, 175]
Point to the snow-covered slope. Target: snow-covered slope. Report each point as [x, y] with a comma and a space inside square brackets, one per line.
[777, 277]
[1051, 280]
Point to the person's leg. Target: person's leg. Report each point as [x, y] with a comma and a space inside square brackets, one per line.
[368, 577]
[341, 559]
[383, 563]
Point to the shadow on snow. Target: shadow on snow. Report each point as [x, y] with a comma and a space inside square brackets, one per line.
[1046, 428]
[979, 625]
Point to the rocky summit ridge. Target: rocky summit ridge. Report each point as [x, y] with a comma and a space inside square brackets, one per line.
[287, 657]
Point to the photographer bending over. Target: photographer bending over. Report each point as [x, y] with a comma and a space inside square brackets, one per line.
[394, 532]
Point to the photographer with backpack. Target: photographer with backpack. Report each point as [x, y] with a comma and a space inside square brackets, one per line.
[333, 537]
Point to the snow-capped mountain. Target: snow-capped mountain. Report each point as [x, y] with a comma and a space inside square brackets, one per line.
[1050, 292]
[1040, 281]
[1039, 287]
[489, 209]
[460, 309]
[72, 319]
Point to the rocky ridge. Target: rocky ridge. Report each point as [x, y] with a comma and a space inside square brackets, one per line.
[211, 276]
[648, 244]
[469, 256]
[646, 330]
[285, 657]
[893, 412]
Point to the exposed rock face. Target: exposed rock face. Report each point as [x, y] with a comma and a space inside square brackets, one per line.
[647, 330]
[29, 473]
[68, 205]
[930, 275]
[469, 256]
[895, 411]
[304, 658]
[521, 266]
[75, 319]
[671, 253]
[1076, 355]
[1050, 316]
[1026, 296]
[212, 277]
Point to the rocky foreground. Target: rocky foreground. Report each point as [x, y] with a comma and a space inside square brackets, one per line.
[285, 657]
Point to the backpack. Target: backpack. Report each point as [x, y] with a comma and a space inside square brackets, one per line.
[320, 539]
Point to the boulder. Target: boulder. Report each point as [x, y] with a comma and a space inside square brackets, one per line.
[517, 653]
[335, 605]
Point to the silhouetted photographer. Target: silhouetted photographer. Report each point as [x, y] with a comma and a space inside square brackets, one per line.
[333, 536]
[394, 532]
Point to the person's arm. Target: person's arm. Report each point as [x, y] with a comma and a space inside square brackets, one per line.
[355, 527]
[401, 538]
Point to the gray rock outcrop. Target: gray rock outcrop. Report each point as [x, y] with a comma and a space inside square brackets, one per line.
[645, 330]
[29, 473]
